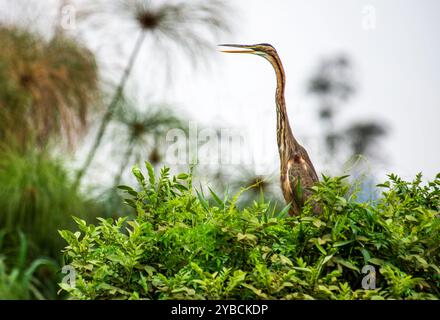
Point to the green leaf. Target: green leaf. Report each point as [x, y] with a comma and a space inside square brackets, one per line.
[203, 202]
[366, 255]
[66, 287]
[326, 259]
[411, 218]
[302, 269]
[257, 292]
[183, 176]
[217, 198]
[376, 261]
[286, 261]
[129, 190]
[346, 264]
[138, 175]
[342, 243]
[320, 248]
[151, 176]
[247, 236]
[283, 213]
[384, 185]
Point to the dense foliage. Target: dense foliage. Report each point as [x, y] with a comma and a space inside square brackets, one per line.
[37, 198]
[184, 245]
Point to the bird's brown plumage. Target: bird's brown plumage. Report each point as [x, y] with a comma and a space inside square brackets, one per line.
[297, 172]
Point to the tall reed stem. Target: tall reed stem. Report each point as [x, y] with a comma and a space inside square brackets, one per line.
[110, 109]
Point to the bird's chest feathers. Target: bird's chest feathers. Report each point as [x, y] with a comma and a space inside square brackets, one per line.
[291, 171]
[286, 184]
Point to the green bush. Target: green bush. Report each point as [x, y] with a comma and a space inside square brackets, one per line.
[183, 245]
[37, 198]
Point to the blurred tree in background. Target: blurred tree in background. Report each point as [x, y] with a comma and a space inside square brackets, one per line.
[142, 134]
[363, 135]
[333, 84]
[137, 135]
[167, 27]
[48, 88]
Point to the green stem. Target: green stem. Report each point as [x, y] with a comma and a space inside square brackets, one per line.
[125, 159]
[110, 109]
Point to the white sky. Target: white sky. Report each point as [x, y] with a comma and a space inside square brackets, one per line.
[397, 66]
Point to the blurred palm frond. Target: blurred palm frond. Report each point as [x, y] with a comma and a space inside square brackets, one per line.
[172, 27]
[142, 133]
[47, 87]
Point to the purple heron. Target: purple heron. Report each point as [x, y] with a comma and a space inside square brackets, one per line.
[297, 171]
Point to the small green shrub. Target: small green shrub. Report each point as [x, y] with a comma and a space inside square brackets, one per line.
[19, 282]
[183, 245]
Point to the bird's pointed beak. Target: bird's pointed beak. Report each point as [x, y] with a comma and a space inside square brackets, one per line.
[237, 48]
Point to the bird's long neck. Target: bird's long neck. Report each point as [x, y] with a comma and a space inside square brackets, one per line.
[286, 140]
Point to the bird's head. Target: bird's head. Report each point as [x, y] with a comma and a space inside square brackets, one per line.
[262, 49]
